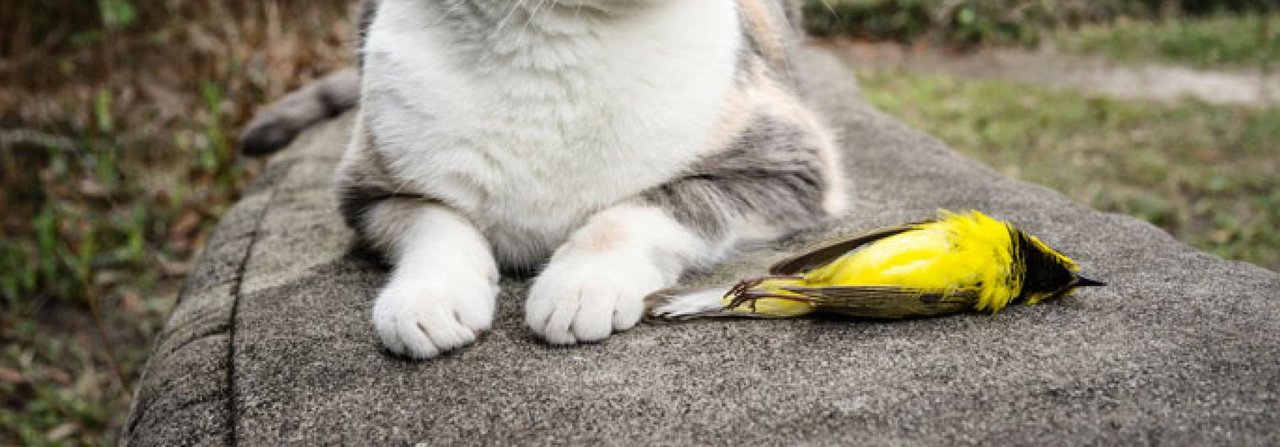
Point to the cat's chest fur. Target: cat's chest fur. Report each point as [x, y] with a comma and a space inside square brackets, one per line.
[531, 129]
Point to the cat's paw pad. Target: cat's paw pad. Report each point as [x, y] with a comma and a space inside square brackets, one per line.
[589, 298]
[421, 320]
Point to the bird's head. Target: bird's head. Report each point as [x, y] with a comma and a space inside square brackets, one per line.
[1046, 273]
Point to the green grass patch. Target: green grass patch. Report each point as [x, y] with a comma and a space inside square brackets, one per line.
[960, 22]
[1251, 40]
[1204, 173]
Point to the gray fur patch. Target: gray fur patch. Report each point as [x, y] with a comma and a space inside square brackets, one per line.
[365, 14]
[367, 197]
[770, 171]
[278, 124]
[779, 66]
[794, 12]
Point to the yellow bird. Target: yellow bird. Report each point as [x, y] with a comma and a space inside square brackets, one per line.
[955, 263]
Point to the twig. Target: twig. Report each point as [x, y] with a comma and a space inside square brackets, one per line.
[125, 385]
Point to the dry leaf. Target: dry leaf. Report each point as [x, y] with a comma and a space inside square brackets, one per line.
[62, 432]
[182, 227]
[58, 376]
[10, 375]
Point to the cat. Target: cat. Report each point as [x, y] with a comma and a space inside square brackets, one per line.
[609, 145]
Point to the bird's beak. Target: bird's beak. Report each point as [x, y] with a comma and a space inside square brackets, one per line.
[1082, 281]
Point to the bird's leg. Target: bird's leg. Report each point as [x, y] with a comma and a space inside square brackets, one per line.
[747, 284]
[742, 292]
[753, 297]
[743, 286]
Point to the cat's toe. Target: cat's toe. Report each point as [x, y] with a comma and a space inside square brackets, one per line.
[576, 302]
[594, 319]
[423, 323]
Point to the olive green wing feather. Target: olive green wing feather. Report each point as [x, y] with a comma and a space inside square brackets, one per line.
[890, 302]
[824, 253]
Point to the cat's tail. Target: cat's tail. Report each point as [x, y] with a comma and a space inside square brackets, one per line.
[279, 123]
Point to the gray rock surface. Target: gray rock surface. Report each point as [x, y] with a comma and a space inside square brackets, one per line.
[271, 343]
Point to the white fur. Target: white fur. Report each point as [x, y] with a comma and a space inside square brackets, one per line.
[571, 115]
[694, 303]
[442, 292]
[597, 282]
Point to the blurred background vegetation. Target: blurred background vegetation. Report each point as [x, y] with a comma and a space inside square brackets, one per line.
[118, 121]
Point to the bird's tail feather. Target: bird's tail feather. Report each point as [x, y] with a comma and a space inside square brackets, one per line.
[686, 303]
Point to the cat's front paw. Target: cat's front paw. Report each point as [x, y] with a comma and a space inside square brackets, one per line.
[587, 298]
[423, 319]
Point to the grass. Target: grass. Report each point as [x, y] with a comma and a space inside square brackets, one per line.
[1204, 173]
[1203, 34]
[1250, 40]
[117, 157]
[961, 23]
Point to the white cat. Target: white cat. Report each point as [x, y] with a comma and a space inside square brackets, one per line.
[625, 141]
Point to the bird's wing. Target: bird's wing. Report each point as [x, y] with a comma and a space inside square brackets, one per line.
[887, 301]
[824, 253]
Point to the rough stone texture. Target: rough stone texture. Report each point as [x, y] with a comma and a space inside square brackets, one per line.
[271, 341]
